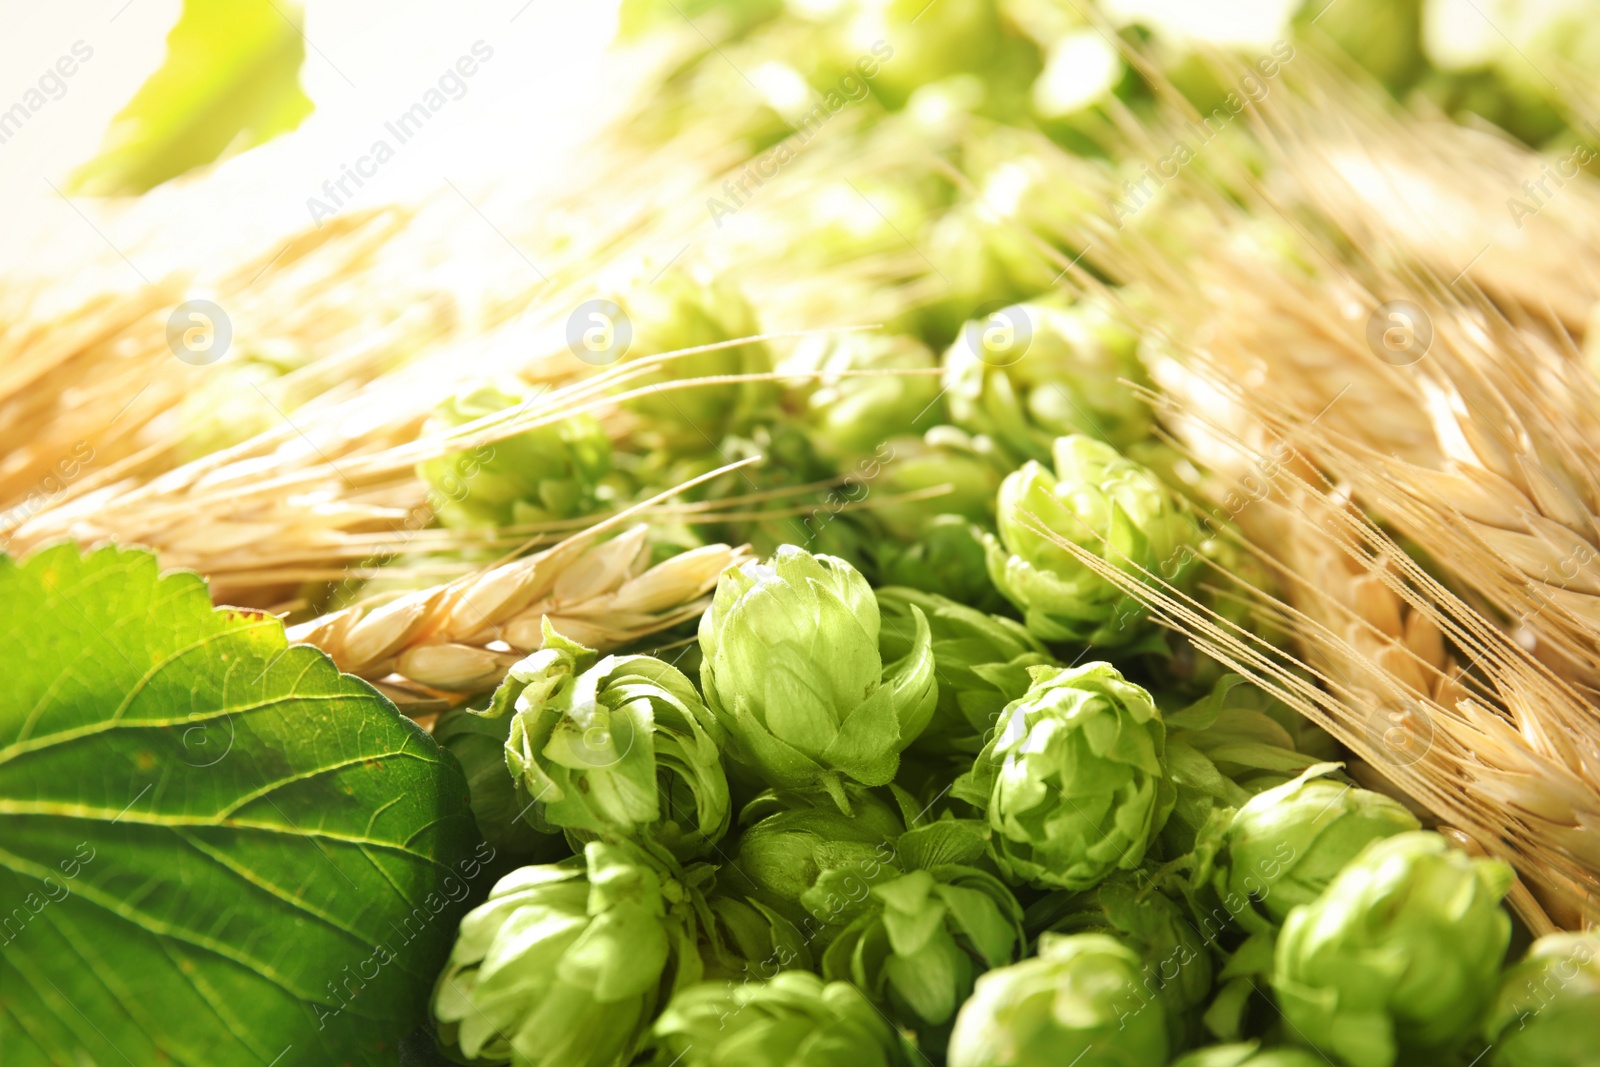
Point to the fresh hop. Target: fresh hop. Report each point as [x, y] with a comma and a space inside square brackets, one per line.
[1547, 1013]
[1284, 846]
[1109, 507]
[795, 841]
[916, 943]
[793, 1020]
[1071, 377]
[981, 660]
[1077, 1002]
[791, 668]
[851, 411]
[565, 965]
[679, 310]
[623, 747]
[1072, 782]
[1177, 965]
[1250, 1054]
[1399, 957]
[553, 471]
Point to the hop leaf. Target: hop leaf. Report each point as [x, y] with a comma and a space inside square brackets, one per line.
[1081, 1001]
[1103, 503]
[1398, 956]
[1073, 782]
[791, 668]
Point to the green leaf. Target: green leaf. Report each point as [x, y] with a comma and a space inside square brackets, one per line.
[214, 849]
[231, 81]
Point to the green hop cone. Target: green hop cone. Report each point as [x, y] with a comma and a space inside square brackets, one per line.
[564, 965]
[854, 415]
[1399, 956]
[551, 472]
[1072, 782]
[678, 310]
[943, 472]
[916, 943]
[1177, 964]
[742, 939]
[1221, 750]
[947, 558]
[1107, 505]
[1284, 846]
[791, 669]
[1069, 370]
[794, 839]
[478, 740]
[793, 1020]
[1081, 1001]
[1547, 1013]
[982, 663]
[1249, 1054]
[915, 50]
[619, 748]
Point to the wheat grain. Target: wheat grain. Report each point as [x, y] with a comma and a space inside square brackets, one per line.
[456, 639]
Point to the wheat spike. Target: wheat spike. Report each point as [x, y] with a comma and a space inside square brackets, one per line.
[452, 640]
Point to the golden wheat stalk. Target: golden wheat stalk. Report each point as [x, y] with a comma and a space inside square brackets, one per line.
[304, 501]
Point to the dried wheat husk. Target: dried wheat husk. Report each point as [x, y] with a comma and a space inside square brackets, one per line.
[443, 644]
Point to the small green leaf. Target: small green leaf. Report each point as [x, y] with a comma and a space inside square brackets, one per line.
[214, 849]
[231, 81]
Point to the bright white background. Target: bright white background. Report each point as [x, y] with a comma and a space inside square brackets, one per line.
[367, 61]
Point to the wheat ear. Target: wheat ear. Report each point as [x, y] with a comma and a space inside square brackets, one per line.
[459, 638]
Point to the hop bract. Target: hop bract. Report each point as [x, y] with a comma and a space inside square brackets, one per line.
[853, 415]
[982, 663]
[1073, 783]
[793, 1020]
[1249, 1054]
[943, 472]
[564, 965]
[1177, 964]
[947, 557]
[917, 942]
[791, 668]
[1284, 846]
[550, 472]
[1105, 504]
[1399, 955]
[624, 747]
[681, 309]
[1547, 1013]
[744, 939]
[1080, 1002]
[795, 839]
[1070, 374]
